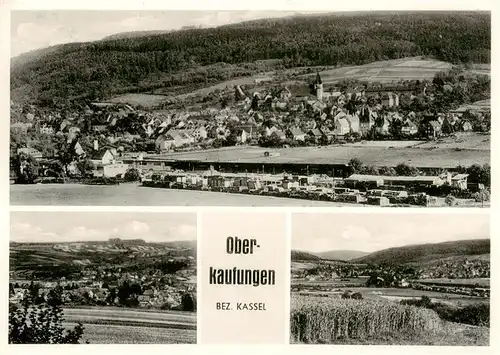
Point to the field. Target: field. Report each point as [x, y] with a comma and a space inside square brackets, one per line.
[144, 100]
[329, 289]
[386, 71]
[368, 321]
[125, 326]
[447, 154]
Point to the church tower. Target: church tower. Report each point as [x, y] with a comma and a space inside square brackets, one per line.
[318, 85]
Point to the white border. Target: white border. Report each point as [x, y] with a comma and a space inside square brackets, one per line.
[304, 5]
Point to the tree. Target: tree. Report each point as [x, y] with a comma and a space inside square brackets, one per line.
[480, 174]
[188, 302]
[387, 171]
[85, 166]
[323, 140]
[40, 324]
[132, 174]
[26, 168]
[356, 165]
[404, 169]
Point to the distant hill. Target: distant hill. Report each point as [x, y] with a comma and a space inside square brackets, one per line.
[135, 34]
[28, 257]
[424, 253]
[133, 63]
[342, 255]
[298, 255]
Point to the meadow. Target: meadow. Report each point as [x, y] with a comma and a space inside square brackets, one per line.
[386, 71]
[444, 154]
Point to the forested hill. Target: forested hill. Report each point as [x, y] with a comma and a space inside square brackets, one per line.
[107, 67]
[427, 252]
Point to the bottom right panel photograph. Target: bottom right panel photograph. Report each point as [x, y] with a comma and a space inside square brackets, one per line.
[390, 278]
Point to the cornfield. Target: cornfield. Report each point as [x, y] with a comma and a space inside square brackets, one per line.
[324, 320]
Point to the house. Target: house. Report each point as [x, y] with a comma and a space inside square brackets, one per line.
[102, 157]
[367, 119]
[466, 126]
[382, 126]
[281, 135]
[460, 181]
[297, 134]
[200, 133]
[284, 94]
[390, 99]
[433, 129]
[30, 151]
[178, 136]
[341, 126]
[408, 128]
[46, 129]
[327, 132]
[353, 121]
[315, 134]
[79, 151]
[164, 142]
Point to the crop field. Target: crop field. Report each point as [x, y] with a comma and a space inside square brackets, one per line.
[388, 294]
[124, 326]
[144, 100]
[326, 320]
[321, 320]
[386, 71]
[429, 155]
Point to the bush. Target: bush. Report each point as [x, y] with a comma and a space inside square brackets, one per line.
[482, 196]
[450, 200]
[40, 324]
[132, 174]
[477, 314]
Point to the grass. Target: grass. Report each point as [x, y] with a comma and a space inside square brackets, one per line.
[317, 320]
[386, 71]
[379, 156]
[117, 334]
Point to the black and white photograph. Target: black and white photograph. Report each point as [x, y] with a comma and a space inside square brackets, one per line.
[390, 279]
[102, 278]
[250, 108]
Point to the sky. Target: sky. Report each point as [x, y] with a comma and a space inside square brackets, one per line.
[372, 232]
[99, 226]
[32, 30]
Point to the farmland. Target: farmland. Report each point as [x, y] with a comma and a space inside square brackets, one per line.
[447, 153]
[386, 71]
[120, 326]
[393, 294]
[337, 321]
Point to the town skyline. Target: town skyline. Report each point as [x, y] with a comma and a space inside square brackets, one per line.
[372, 233]
[40, 227]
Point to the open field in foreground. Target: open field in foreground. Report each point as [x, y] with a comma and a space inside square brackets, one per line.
[134, 195]
[318, 320]
[424, 154]
[125, 326]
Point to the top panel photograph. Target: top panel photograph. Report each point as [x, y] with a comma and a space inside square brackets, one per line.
[250, 108]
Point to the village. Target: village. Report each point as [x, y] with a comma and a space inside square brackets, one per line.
[447, 277]
[109, 139]
[146, 287]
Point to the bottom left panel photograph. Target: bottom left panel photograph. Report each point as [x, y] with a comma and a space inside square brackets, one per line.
[102, 278]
